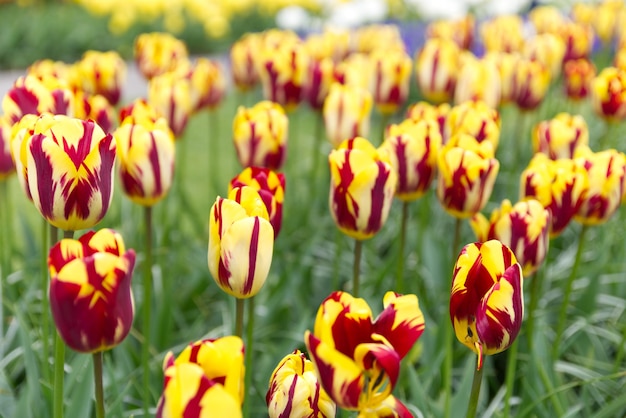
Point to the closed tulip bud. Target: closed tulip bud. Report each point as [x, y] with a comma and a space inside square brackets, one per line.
[241, 242]
[371, 37]
[478, 80]
[505, 63]
[320, 76]
[548, 49]
[349, 72]
[208, 83]
[362, 186]
[474, 118]
[389, 82]
[139, 109]
[460, 31]
[270, 186]
[578, 40]
[30, 95]
[97, 108]
[487, 299]
[357, 357]
[68, 165]
[523, 227]
[243, 61]
[294, 390]
[206, 378]
[346, 113]
[531, 80]
[260, 135]
[467, 173]
[7, 166]
[170, 94]
[90, 293]
[559, 185]
[413, 147]
[608, 94]
[560, 136]
[158, 52]
[503, 34]
[102, 73]
[604, 19]
[48, 68]
[606, 171]
[577, 77]
[546, 19]
[436, 67]
[146, 151]
[425, 110]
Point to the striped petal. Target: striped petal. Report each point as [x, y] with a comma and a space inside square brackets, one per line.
[401, 322]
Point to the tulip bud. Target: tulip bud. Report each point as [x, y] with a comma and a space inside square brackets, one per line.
[546, 19]
[319, 77]
[294, 390]
[487, 299]
[97, 108]
[7, 166]
[158, 52]
[560, 136]
[207, 83]
[578, 40]
[474, 118]
[170, 95]
[243, 61]
[346, 113]
[548, 49]
[90, 293]
[362, 188]
[506, 64]
[608, 94]
[503, 33]
[260, 135]
[460, 31]
[30, 95]
[577, 77]
[478, 80]
[436, 67]
[389, 82]
[102, 73]
[424, 110]
[531, 80]
[241, 242]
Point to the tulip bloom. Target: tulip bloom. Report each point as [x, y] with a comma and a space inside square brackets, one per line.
[560, 136]
[243, 61]
[346, 113]
[548, 49]
[207, 377]
[90, 293]
[460, 31]
[208, 83]
[67, 165]
[294, 390]
[97, 108]
[318, 80]
[357, 357]
[503, 34]
[158, 52]
[478, 80]
[578, 40]
[270, 186]
[260, 135]
[241, 242]
[487, 299]
[606, 171]
[389, 82]
[170, 94]
[424, 110]
[577, 77]
[505, 63]
[146, 151]
[362, 186]
[559, 185]
[546, 19]
[102, 73]
[436, 67]
[474, 118]
[413, 147]
[608, 94]
[523, 227]
[7, 166]
[531, 80]
[30, 95]
[466, 176]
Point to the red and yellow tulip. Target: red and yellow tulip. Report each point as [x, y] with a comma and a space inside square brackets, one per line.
[474, 118]
[608, 93]
[577, 77]
[425, 110]
[346, 113]
[208, 83]
[436, 67]
[389, 81]
[101, 73]
[478, 80]
[97, 108]
[487, 299]
[170, 95]
[243, 61]
[31, 95]
[90, 293]
[560, 136]
[357, 357]
[531, 80]
[158, 52]
[503, 33]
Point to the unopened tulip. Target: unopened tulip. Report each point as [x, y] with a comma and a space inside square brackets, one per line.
[506, 64]
[577, 77]
[578, 40]
[102, 73]
[560, 136]
[608, 94]
[474, 118]
[97, 108]
[357, 357]
[548, 49]
[243, 61]
[413, 147]
[30, 95]
[503, 34]
[460, 31]
[90, 293]
[260, 135]
[68, 165]
[559, 185]
[487, 299]
[523, 227]
[139, 109]
[478, 80]
[389, 82]
[319, 77]
[425, 110]
[207, 378]
[7, 166]
[158, 52]
[208, 84]
[546, 19]
[346, 113]
[294, 390]
[362, 187]
[241, 242]
[606, 171]
[436, 67]
[531, 80]
[368, 38]
[146, 151]
[170, 94]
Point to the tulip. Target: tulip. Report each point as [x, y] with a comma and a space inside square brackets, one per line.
[478, 80]
[146, 151]
[45, 68]
[241, 242]
[7, 166]
[506, 64]
[389, 82]
[503, 34]
[460, 31]
[208, 83]
[357, 357]
[424, 110]
[349, 71]
[577, 77]
[90, 293]
[578, 40]
[605, 18]
[606, 171]
[560, 136]
[436, 67]
[368, 38]
[466, 176]
[243, 61]
[546, 19]
[67, 164]
[97, 108]
[608, 94]
[139, 109]
[362, 188]
[559, 185]
[413, 147]
[102, 73]
[260, 135]
[270, 186]
[158, 52]
[523, 227]
[548, 49]
[531, 80]
[346, 113]
[31, 95]
[206, 378]
[294, 390]
[319, 77]
[170, 94]
[487, 301]
[474, 118]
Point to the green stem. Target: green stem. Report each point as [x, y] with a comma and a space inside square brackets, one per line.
[566, 296]
[473, 401]
[511, 365]
[249, 355]
[147, 308]
[535, 291]
[447, 361]
[45, 317]
[337, 262]
[214, 149]
[384, 120]
[97, 375]
[239, 317]
[356, 269]
[403, 226]
[5, 252]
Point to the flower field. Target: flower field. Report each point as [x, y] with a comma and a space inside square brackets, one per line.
[407, 219]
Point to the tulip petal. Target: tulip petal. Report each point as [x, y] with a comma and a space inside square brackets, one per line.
[401, 322]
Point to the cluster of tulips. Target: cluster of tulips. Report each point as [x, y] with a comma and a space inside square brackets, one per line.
[62, 133]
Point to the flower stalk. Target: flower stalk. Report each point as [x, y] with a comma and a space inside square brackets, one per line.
[97, 374]
[147, 307]
[356, 268]
[474, 394]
